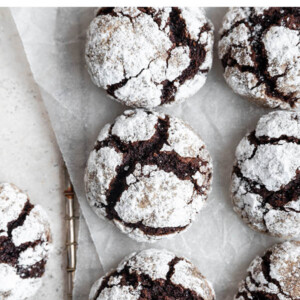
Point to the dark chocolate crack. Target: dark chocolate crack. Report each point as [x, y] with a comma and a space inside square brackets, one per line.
[258, 295]
[10, 253]
[34, 271]
[179, 36]
[21, 219]
[262, 140]
[276, 16]
[148, 153]
[266, 269]
[261, 295]
[159, 289]
[106, 11]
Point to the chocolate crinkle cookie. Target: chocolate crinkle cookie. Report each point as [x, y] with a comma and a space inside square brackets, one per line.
[153, 274]
[24, 244]
[260, 51]
[273, 276]
[266, 176]
[145, 57]
[149, 174]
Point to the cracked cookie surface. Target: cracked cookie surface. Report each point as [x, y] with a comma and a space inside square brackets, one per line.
[153, 274]
[145, 57]
[24, 244]
[149, 174]
[266, 175]
[260, 52]
[273, 276]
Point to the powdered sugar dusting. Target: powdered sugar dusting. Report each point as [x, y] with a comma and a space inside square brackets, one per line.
[260, 10]
[15, 287]
[261, 58]
[191, 85]
[234, 15]
[12, 201]
[148, 199]
[102, 169]
[278, 275]
[31, 231]
[269, 167]
[152, 194]
[134, 48]
[104, 133]
[35, 227]
[242, 51]
[283, 48]
[276, 124]
[113, 39]
[33, 255]
[192, 280]
[178, 61]
[272, 165]
[241, 83]
[156, 265]
[194, 21]
[283, 223]
[185, 142]
[135, 126]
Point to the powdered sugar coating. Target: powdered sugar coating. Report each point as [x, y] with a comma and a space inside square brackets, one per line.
[260, 51]
[147, 269]
[273, 166]
[145, 57]
[24, 244]
[275, 275]
[266, 173]
[125, 127]
[12, 202]
[274, 127]
[148, 192]
[16, 288]
[149, 173]
[186, 145]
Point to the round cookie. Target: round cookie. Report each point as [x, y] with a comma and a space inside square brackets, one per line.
[274, 276]
[153, 274]
[260, 52]
[149, 173]
[145, 57]
[266, 175]
[24, 244]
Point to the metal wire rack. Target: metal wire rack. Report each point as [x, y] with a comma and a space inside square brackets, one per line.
[71, 243]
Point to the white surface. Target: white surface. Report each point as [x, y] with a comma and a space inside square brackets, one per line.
[218, 243]
[29, 156]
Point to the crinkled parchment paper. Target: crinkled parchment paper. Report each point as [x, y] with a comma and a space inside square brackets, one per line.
[218, 242]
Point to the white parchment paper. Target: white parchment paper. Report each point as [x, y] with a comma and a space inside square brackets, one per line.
[218, 242]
